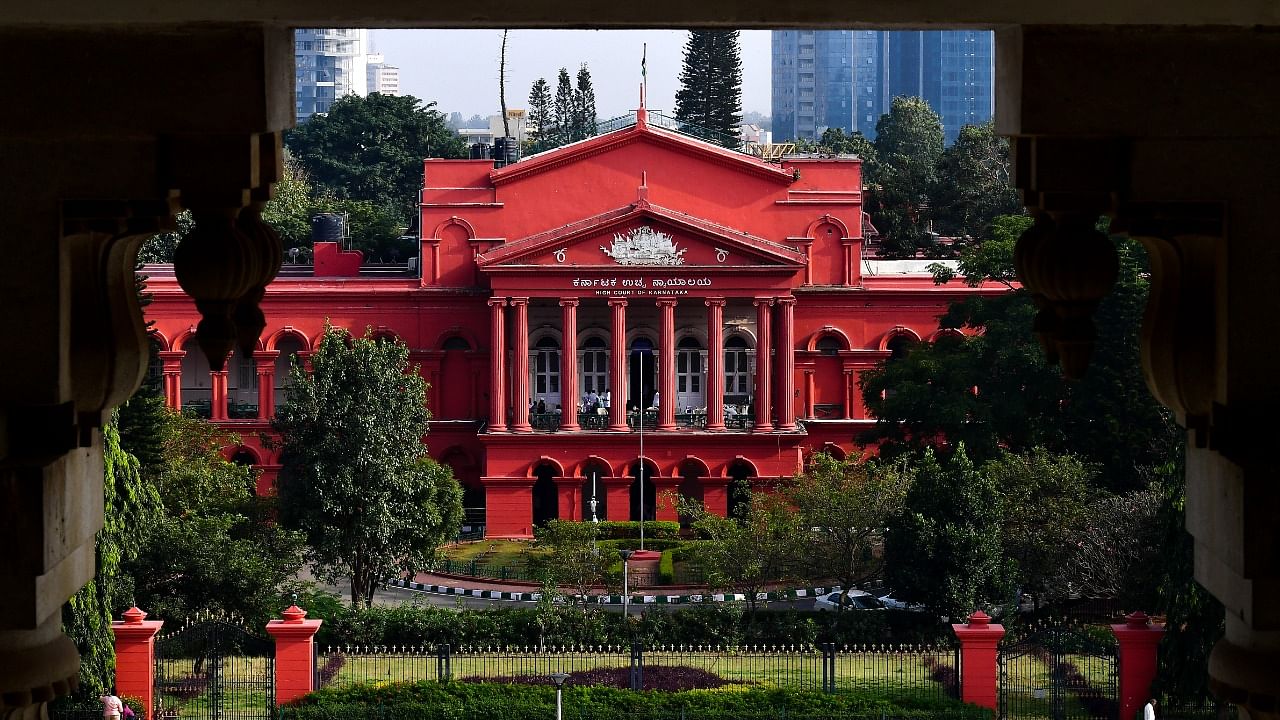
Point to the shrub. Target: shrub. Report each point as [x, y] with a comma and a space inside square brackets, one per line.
[453, 701]
[656, 529]
[714, 624]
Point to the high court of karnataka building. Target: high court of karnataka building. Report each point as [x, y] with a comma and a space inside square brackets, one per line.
[730, 297]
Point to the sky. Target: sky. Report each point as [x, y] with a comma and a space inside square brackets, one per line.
[458, 69]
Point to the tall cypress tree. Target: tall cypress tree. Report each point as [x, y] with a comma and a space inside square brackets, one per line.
[710, 94]
[584, 98]
[540, 118]
[563, 109]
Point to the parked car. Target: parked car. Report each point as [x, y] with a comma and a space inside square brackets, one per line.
[849, 599]
[894, 603]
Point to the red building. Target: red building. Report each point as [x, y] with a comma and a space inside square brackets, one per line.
[728, 296]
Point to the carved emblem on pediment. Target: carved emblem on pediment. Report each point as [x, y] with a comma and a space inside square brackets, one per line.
[644, 246]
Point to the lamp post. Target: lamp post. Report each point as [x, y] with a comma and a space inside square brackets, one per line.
[594, 504]
[558, 679]
[643, 353]
[626, 587]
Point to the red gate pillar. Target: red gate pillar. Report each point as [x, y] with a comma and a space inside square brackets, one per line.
[135, 641]
[295, 657]
[978, 649]
[1137, 639]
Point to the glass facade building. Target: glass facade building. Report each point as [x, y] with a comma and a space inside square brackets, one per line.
[841, 78]
[329, 63]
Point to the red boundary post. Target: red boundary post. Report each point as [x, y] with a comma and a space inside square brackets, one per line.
[979, 645]
[295, 660]
[135, 642]
[1137, 639]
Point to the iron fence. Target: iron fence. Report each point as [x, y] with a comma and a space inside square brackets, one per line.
[498, 711]
[916, 668]
[475, 568]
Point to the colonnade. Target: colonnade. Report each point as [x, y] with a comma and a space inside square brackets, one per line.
[773, 399]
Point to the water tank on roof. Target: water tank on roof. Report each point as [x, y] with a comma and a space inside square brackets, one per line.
[327, 227]
[479, 151]
[506, 151]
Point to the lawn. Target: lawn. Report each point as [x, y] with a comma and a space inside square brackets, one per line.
[801, 670]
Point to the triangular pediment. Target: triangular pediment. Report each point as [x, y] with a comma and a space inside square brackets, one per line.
[642, 236]
[647, 133]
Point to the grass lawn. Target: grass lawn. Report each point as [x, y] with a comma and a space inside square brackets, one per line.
[493, 552]
[791, 670]
[242, 689]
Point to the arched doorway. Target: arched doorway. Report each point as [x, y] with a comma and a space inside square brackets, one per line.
[289, 347]
[643, 374]
[546, 505]
[642, 487]
[740, 474]
[593, 475]
[691, 473]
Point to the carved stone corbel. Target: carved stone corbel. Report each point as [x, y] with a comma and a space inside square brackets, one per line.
[1179, 328]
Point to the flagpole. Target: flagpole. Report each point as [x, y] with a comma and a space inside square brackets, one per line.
[644, 80]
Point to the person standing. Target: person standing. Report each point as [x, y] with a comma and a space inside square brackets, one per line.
[112, 707]
[604, 399]
[1149, 710]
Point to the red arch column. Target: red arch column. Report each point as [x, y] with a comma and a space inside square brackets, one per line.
[618, 492]
[764, 368]
[787, 364]
[172, 360]
[1138, 639]
[569, 365]
[265, 362]
[497, 373]
[218, 394]
[295, 657]
[979, 641]
[508, 506]
[664, 489]
[135, 642]
[618, 372]
[568, 497]
[520, 396]
[715, 495]
[715, 363]
[667, 364]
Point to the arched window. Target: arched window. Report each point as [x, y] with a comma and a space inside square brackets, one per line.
[689, 393]
[455, 343]
[546, 503]
[737, 369]
[242, 386]
[828, 345]
[595, 366]
[899, 346]
[196, 382]
[289, 348]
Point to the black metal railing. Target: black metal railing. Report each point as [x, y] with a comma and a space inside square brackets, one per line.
[592, 421]
[494, 571]
[827, 667]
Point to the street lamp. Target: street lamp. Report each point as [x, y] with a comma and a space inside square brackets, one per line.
[558, 679]
[643, 352]
[626, 587]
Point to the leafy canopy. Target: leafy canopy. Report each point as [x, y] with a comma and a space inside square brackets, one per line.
[372, 148]
[355, 476]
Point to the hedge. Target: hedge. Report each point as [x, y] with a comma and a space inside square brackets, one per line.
[703, 624]
[656, 529]
[456, 701]
[666, 569]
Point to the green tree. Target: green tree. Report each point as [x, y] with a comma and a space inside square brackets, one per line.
[159, 248]
[749, 553]
[355, 477]
[837, 141]
[908, 147]
[1044, 499]
[845, 504]
[541, 120]
[973, 182]
[576, 560]
[1107, 418]
[291, 206]
[584, 105]
[372, 148]
[710, 94]
[214, 547]
[944, 549]
[130, 508]
[562, 109]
